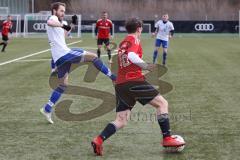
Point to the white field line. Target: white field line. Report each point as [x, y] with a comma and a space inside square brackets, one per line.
[33, 60]
[44, 60]
[33, 54]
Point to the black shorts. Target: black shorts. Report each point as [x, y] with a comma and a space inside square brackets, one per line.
[128, 93]
[5, 38]
[100, 41]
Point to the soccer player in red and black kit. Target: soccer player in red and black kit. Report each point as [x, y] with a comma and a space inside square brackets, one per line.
[6, 28]
[131, 86]
[103, 30]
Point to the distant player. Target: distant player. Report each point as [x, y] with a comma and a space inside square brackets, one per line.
[131, 86]
[6, 28]
[103, 31]
[64, 57]
[164, 31]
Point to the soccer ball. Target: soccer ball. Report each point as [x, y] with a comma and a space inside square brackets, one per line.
[179, 138]
[176, 149]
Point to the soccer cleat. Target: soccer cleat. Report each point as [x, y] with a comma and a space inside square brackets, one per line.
[97, 146]
[47, 115]
[171, 141]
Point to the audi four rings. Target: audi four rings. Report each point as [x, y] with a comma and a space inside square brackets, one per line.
[40, 26]
[204, 27]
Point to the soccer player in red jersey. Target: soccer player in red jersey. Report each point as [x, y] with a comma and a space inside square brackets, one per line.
[131, 86]
[6, 28]
[103, 31]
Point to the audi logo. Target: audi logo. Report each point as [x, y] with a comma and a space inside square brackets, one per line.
[204, 27]
[40, 26]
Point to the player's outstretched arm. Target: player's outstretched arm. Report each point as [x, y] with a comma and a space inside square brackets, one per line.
[134, 58]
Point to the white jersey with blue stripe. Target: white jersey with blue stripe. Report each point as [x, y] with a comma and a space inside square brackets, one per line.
[56, 37]
[164, 29]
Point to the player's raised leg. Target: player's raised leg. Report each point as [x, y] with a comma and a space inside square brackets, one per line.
[91, 57]
[161, 106]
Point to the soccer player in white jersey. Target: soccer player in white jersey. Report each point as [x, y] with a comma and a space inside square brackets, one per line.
[64, 57]
[164, 31]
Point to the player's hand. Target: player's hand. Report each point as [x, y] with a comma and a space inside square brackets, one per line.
[170, 36]
[150, 67]
[111, 37]
[96, 37]
[153, 34]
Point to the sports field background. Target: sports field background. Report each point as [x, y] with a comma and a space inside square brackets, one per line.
[204, 104]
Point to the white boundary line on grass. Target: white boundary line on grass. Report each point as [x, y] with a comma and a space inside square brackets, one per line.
[44, 60]
[33, 54]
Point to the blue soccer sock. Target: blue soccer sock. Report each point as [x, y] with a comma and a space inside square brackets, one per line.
[103, 68]
[155, 55]
[56, 94]
[164, 58]
[52, 64]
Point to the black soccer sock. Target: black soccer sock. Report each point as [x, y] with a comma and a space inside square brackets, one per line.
[4, 46]
[163, 122]
[98, 53]
[164, 58]
[109, 130]
[109, 54]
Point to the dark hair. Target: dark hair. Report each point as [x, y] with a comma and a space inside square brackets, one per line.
[132, 24]
[56, 5]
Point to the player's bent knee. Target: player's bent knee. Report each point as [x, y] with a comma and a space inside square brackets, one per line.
[163, 102]
[90, 56]
[120, 123]
[159, 102]
[121, 119]
[63, 81]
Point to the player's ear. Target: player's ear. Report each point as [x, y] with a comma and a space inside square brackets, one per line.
[139, 29]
